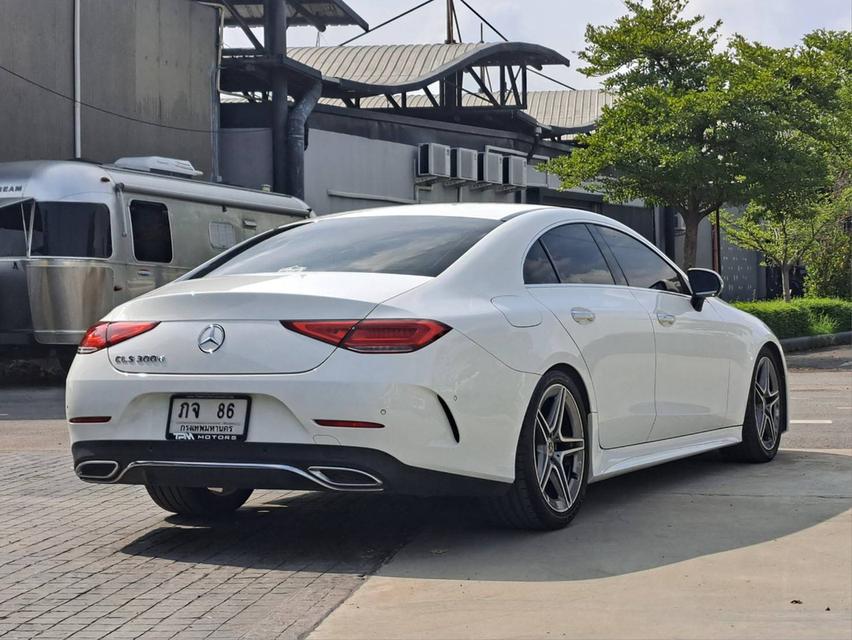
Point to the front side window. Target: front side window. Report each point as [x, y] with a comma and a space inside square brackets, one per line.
[641, 266]
[152, 235]
[576, 255]
[403, 244]
[13, 225]
[71, 229]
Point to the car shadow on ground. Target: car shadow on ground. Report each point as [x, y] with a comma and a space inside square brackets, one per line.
[643, 520]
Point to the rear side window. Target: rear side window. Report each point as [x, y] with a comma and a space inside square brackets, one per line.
[537, 267]
[641, 266]
[152, 234]
[404, 244]
[71, 229]
[576, 255]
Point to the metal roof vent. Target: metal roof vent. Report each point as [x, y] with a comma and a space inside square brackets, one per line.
[158, 164]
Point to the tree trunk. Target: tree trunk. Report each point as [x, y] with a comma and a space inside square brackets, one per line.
[690, 240]
[785, 281]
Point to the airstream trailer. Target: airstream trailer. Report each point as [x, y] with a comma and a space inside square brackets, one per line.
[78, 238]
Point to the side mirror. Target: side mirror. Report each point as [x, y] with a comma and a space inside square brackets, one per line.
[705, 283]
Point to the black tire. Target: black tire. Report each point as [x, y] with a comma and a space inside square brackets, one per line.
[756, 446]
[198, 501]
[525, 505]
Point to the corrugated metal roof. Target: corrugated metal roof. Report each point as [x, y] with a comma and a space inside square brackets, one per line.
[303, 12]
[557, 109]
[568, 109]
[382, 64]
[375, 69]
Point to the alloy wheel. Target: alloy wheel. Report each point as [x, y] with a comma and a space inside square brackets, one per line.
[559, 448]
[767, 403]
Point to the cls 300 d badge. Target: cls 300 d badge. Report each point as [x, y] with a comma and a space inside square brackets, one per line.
[140, 359]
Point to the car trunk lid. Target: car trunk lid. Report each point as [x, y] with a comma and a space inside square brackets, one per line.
[232, 324]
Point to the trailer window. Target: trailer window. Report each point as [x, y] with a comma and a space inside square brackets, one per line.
[13, 238]
[71, 229]
[152, 234]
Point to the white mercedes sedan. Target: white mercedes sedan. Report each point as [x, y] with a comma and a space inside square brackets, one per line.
[516, 352]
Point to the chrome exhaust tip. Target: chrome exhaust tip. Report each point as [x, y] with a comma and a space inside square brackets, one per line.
[97, 470]
[346, 479]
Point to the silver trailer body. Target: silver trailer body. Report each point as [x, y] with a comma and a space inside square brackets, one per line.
[78, 238]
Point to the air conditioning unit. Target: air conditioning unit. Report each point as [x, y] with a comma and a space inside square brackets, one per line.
[433, 162]
[489, 169]
[536, 177]
[463, 165]
[158, 164]
[514, 172]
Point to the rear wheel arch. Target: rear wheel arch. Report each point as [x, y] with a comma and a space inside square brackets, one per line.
[572, 373]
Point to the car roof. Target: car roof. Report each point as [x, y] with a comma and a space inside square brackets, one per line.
[482, 210]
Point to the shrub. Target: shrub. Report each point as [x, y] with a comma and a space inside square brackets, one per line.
[802, 316]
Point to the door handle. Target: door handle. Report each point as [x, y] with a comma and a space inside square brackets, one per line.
[143, 272]
[582, 315]
[665, 319]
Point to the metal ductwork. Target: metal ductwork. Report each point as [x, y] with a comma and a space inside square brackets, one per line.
[296, 128]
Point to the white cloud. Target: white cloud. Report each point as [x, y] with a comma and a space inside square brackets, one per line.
[560, 24]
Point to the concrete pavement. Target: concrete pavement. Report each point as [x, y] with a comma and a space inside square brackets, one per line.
[694, 549]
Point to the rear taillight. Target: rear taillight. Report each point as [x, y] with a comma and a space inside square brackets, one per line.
[107, 334]
[372, 336]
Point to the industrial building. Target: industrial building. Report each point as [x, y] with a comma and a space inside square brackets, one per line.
[342, 127]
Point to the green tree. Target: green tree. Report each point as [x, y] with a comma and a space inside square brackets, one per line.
[693, 127]
[803, 219]
[784, 237]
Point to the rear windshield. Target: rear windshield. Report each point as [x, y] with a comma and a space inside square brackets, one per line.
[408, 244]
[73, 229]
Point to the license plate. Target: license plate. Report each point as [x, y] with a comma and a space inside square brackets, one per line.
[208, 418]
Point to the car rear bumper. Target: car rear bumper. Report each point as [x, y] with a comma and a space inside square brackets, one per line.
[265, 466]
[451, 407]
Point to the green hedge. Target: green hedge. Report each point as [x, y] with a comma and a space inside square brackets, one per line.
[802, 316]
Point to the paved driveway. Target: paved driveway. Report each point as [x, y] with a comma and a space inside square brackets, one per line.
[697, 548]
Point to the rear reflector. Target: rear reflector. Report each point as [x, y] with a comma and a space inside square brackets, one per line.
[372, 336]
[107, 334]
[90, 419]
[353, 424]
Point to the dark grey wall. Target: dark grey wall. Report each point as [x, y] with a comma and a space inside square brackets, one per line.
[36, 42]
[148, 59]
[153, 60]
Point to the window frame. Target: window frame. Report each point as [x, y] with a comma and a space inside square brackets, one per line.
[609, 257]
[133, 237]
[614, 274]
[30, 217]
[653, 248]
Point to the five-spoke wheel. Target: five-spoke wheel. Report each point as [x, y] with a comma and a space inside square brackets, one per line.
[559, 447]
[765, 414]
[550, 467]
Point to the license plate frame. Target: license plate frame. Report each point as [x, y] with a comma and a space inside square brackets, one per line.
[219, 437]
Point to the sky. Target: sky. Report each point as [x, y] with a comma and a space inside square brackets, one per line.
[560, 24]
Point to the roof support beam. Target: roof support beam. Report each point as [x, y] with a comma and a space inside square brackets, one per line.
[315, 22]
[513, 80]
[244, 26]
[431, 97]
[482, 86]
[389, 97]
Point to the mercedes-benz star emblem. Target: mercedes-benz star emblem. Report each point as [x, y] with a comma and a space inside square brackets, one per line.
[211, 338]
